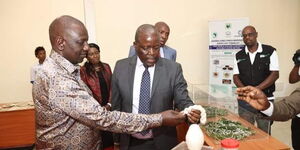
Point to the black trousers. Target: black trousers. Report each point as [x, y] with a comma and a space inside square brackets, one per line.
[295, 127]
[107, 139]
[140, 144]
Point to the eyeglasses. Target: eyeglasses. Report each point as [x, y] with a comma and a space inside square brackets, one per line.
[252, 34]
[93, 54]
[147, 49]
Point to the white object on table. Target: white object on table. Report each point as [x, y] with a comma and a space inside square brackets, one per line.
[194, 137]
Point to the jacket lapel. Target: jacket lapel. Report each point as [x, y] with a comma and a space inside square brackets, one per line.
[131, 71]
[157, 75]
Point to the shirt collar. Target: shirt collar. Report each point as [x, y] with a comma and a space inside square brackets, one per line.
[139, 63]
[161, 48]
[60, 60]
[259, 48]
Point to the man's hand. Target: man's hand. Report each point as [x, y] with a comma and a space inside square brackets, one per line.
[172, 118]
[254, 96]
[107, 107]
[194, 116]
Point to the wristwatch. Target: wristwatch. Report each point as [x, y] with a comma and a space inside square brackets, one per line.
[116, 144]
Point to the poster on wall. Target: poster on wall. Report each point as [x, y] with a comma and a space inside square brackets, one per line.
[225, 39]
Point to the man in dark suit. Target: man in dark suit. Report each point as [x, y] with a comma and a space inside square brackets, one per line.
[164, 51]
[159, 80]
[282, 110]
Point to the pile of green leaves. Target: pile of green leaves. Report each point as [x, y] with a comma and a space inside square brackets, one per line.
[214, 111]
[224, 128]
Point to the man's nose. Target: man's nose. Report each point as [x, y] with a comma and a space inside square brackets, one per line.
[151, 51]
[86, 46]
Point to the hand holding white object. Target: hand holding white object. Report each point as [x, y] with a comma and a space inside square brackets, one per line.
[191, 112]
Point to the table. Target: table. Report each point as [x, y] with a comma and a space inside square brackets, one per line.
[17, 125]
[260, 141]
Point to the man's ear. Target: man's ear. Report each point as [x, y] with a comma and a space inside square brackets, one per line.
[135, 45]
[60, 43]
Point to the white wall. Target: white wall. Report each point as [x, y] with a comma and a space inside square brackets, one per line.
[276, 21]
[24, 25]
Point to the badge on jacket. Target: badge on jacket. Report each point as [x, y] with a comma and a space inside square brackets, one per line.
[263, 55]
[239, 60]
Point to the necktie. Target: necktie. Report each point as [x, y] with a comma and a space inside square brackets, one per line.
[144, 103]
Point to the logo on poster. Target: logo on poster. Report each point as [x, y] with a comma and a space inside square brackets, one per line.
[228, 26]
[214, 35]
[240, 33]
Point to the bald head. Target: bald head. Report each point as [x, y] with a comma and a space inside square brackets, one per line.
[164, 31]
[250, 38]
[250, 28]
[62, 25]
[145, 30]
[147, 44]
[161, 24]
[68, 37]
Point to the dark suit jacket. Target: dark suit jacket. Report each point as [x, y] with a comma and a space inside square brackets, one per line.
[169, 87]
[287, 108]
[169, 53]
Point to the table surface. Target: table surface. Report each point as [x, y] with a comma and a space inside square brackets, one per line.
[259, 141]
[17, 125]
[17, 129]
[16, 106]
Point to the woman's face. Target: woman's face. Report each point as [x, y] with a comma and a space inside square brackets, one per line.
[93, 55]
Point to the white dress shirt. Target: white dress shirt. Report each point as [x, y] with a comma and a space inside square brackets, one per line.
[161, 52]
[139, 70]
[269, 111]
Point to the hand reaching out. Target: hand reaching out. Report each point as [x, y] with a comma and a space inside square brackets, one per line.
[172, 118]
[254, 96]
